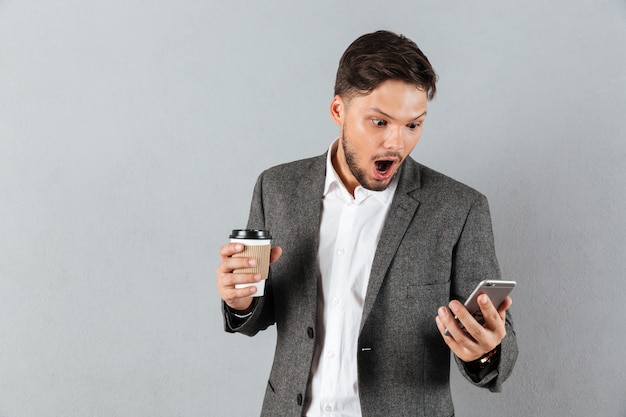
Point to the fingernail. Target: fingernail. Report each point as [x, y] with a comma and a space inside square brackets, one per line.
[482, 299]
[442, 311]
[454, 306]
[252, 262]
[257, 277]
[238, 247]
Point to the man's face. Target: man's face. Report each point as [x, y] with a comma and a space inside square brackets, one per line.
[378, 132]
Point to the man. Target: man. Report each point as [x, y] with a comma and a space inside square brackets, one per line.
[370, 247]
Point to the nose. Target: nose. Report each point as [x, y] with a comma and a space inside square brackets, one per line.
[394, 138]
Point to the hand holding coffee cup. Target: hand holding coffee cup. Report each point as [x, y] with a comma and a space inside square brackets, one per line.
[257, 245]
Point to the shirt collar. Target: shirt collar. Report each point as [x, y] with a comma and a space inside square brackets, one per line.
[334, 182]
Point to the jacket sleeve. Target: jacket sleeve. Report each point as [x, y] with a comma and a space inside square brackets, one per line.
[475, 260]
[262, 315]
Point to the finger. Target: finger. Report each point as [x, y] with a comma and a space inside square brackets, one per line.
[457, 340]
[230, 249]
[229, 286]
[449, 323]
[492, 331]
[231, 280]
[446, 331]
[275, 253]
[464, 316]
[230, 264]
[443, 329]
[243, 292]
[475, 335]
[506, 304]
[491, 317]
[226, 279]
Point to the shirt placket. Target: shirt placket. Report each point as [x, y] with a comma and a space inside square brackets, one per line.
[338, 323]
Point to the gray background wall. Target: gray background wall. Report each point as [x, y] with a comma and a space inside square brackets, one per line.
[131, 133]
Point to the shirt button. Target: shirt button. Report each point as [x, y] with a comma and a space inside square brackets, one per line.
[328, 409]
[299, 399]
[336, 301]
[330, 355]
[341, 251]
[309, 332]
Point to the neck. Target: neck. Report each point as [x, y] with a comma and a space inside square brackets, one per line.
[338, 159]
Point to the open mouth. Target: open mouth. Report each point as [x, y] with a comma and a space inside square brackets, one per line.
[383, 166]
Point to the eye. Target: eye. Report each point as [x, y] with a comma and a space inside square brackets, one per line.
[379, 122]
[413, 126]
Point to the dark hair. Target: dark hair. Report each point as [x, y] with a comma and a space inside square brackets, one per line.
[380, 56]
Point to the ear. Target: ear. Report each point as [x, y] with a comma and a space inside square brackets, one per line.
[337, 110]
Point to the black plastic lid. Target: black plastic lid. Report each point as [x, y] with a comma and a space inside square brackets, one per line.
[250, 234]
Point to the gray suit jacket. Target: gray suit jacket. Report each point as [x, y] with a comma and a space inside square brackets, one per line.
[436, 245]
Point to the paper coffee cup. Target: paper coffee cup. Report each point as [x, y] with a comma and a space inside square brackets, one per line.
[257, 244]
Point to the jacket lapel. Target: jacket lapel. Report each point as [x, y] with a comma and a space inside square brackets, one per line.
[401, 213]
[310, 215]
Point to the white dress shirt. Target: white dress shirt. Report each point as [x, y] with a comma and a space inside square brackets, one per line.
[349, 232]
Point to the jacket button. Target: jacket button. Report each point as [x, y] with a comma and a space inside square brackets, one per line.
[309, 332]
[299, 399]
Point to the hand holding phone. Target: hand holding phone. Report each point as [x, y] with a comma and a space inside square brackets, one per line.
[496, 290]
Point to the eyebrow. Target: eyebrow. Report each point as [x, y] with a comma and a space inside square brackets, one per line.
[377, 110]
